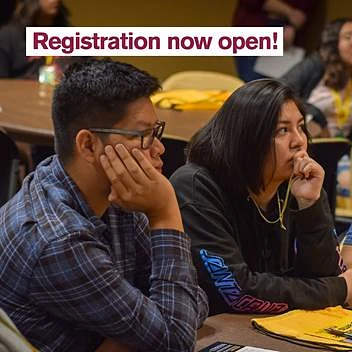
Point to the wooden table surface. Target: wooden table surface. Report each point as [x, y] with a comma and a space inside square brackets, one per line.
[25, 113]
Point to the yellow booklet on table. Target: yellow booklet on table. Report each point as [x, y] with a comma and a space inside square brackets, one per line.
[329, 328]
[190, 99]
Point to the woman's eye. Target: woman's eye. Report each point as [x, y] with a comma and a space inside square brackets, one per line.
[281, 131]
[301, 127]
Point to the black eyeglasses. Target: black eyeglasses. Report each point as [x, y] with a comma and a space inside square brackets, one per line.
[147, 136]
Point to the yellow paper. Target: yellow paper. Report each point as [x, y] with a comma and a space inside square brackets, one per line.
[310, 325]
[190, 99]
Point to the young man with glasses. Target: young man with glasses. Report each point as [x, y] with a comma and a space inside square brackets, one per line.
[92, 246]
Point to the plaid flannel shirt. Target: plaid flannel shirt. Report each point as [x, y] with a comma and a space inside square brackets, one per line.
[69, 278]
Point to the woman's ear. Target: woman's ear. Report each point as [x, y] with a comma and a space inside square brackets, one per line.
[88, 146]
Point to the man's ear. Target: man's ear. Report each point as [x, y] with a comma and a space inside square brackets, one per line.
[88, 145]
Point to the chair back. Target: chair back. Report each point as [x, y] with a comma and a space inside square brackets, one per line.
[202, 80]
[327, 152]
[11, 340]
[175, 153]
[9, 170]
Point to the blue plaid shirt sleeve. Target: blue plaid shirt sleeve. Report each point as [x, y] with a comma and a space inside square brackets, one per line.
[76, 280]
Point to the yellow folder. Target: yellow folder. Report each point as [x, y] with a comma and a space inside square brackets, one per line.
[190, 99]
[310, 327]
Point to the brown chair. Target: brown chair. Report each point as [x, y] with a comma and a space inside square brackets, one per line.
[11, 340]
[327, 152]
[9, 168]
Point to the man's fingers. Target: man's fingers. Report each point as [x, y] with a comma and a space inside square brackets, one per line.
[107, 167]
[131, 165]
[113, 196]
[111, 174]
[126, 176]
[145, 164]
[122, 174]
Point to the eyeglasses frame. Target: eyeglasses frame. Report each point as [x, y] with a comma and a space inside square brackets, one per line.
[157, 132]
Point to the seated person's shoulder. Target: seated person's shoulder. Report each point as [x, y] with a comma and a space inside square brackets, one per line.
[190, 174]
[49, 206]
[195, 184]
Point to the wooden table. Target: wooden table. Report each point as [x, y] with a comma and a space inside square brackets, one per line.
[237, 328]
[25, 113]
[25, 110]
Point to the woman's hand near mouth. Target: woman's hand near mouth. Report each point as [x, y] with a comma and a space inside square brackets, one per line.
[307, 180]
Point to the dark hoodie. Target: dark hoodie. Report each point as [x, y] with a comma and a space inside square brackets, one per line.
[248, 265]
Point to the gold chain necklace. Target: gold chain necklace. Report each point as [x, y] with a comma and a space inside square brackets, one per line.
[281, 211]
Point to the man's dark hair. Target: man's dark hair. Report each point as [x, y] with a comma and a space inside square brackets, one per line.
[95, 93]
[234, 145]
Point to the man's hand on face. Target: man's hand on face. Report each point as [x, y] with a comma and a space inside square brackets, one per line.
[137, 185]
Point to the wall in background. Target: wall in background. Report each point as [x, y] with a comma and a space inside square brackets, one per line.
[339, 8]
[193, 13]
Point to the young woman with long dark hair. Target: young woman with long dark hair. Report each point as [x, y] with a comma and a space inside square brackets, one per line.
[251, 199]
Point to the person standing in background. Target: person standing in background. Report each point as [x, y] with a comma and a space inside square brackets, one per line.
[324, 79]
[13, 60]
[292, 14]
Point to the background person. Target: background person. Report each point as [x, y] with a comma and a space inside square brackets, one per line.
[324, 79]
[87, 250]
[292, 15]
[13, 60]
[251, 199]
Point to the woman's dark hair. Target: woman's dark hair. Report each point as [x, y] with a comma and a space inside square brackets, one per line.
[234, 145]
[336, 71]
[28, 10]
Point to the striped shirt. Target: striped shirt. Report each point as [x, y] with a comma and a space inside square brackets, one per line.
[69, 278]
